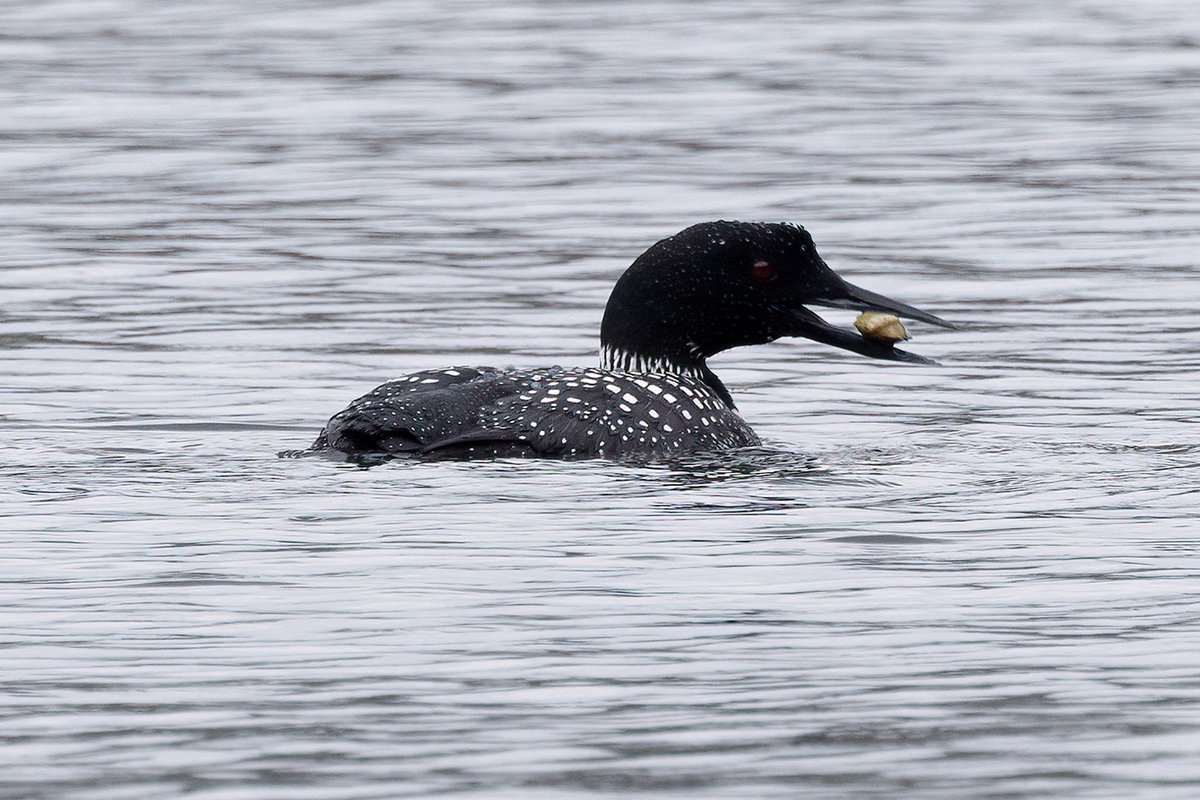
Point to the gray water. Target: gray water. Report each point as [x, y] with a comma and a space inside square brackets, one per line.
[223, 221]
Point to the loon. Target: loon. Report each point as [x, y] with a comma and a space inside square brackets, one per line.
[713, 286]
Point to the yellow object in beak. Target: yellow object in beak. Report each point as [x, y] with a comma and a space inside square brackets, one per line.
[880, 327]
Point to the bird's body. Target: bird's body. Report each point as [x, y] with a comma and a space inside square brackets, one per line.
[555, 412]
[711, 287]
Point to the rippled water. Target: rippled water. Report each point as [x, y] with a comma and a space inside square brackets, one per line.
[221, 223]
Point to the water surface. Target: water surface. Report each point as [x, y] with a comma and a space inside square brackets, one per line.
[222, 223]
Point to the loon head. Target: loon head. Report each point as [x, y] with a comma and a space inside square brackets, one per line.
[719, 285]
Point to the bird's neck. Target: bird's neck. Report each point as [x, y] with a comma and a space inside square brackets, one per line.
[623, 359]
[689, 363]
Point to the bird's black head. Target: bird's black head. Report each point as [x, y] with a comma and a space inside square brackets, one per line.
[719, 285]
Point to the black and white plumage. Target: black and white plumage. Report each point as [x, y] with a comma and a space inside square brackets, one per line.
[483, 411]
[711, 287]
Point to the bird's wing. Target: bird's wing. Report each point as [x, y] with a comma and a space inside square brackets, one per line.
[584, 412]
[410, 413]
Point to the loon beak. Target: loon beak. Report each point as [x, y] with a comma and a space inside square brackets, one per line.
[847, 295]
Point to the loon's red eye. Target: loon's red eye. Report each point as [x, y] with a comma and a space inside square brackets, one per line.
[763, 271]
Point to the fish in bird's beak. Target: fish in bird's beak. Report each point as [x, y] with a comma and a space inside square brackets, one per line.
[840, 294]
